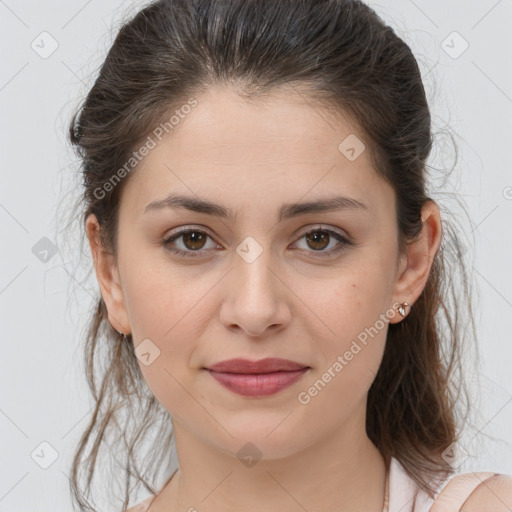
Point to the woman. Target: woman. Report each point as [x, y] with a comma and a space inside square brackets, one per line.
[270, 266]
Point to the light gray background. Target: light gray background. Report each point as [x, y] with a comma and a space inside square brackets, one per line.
[44, 305]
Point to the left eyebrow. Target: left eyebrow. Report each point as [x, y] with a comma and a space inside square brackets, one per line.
[287, 211]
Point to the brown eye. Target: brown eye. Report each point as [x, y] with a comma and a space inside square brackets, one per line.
[318, 240]
[194, 240]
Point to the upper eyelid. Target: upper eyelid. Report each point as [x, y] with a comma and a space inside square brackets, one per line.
[314, 227]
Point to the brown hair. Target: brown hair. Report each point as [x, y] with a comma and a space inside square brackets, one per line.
[344, 56]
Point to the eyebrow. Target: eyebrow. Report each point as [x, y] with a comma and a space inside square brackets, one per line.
[287, 211]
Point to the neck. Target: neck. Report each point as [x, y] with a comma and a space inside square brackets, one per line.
[340, 473]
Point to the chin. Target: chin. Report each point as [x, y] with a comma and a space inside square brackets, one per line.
[263, 436]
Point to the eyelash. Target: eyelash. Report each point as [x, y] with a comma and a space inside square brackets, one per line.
[344, 242]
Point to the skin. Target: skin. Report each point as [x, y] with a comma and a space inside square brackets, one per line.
[290, 302]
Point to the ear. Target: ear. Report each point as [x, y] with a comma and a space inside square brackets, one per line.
[415, 265]
[108, 278]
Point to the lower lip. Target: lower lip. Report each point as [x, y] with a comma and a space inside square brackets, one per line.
[260, 384]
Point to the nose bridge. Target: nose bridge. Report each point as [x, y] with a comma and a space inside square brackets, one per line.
[254, 298]
[252, 266]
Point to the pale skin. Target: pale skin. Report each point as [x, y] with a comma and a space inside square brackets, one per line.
[290, 302]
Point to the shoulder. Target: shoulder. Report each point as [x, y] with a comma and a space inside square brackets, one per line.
[142, 506]
[492, 495]
[475, 492]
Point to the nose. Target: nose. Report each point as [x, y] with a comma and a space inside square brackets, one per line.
[256, 299]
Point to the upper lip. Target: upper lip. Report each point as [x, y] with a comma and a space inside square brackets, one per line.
[267, 365]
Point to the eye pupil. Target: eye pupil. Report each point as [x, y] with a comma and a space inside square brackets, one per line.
[193, 236]
[315, 237]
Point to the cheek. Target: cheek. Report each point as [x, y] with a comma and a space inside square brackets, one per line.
[165, 310]
[349, 300]
[350, 321]
[159, 297]
[349, 345]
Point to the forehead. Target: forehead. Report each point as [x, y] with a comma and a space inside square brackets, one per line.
[284, 147]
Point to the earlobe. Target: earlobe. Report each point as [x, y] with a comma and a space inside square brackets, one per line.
[420, 254]
[108, 277]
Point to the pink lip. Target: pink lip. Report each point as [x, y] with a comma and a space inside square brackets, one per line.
[257, 378]
[267, 365]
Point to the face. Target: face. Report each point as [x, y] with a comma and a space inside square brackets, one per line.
[313, 287]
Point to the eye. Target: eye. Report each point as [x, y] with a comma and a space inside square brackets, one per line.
[318, 239]
[193, 239]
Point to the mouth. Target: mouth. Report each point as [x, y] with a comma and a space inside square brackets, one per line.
[246, 366]
[257, 378]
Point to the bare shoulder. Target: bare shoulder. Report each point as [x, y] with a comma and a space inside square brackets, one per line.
[141, 507]
[475, 492]
[492, 495]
